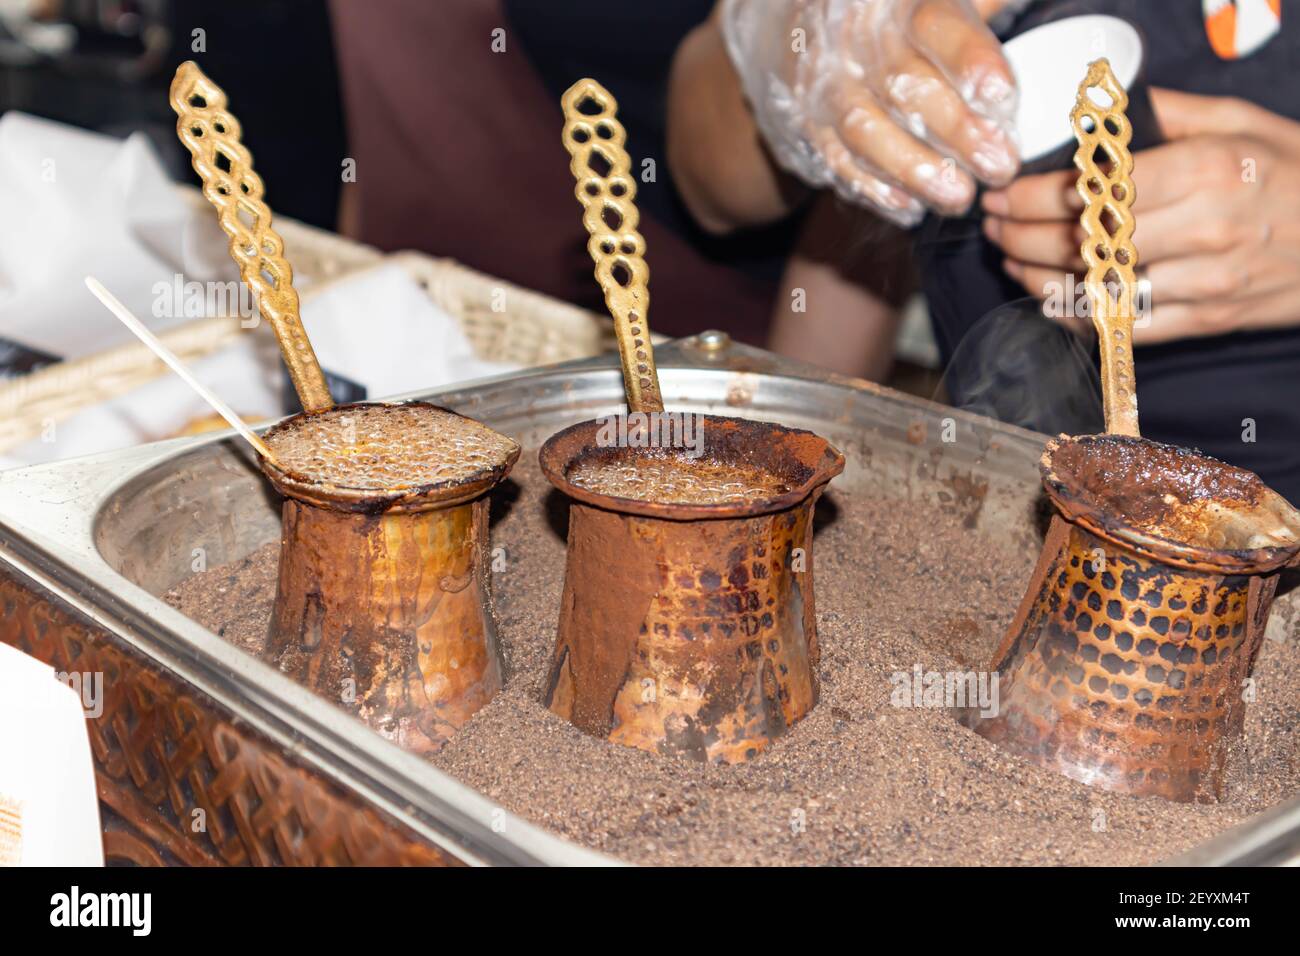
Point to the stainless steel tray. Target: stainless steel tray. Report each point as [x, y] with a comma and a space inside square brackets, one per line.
[109, 534]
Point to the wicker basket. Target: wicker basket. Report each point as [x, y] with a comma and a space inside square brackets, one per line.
[52, 394]
[507, 323]
[503, 322]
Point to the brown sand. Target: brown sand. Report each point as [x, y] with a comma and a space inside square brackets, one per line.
[858, 781]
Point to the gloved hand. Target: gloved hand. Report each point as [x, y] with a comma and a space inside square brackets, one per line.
[896, 104]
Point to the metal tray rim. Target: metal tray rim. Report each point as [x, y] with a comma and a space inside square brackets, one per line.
[398, 782]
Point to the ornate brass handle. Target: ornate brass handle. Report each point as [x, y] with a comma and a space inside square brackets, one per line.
[607, 190]
[212, 135]
[1108, 248]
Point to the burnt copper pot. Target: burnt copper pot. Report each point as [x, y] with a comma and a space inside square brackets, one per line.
[1125, 664]
[382, 600]
[691, 628]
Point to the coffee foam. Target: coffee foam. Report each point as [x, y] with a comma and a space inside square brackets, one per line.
[387, 447]
[675, 479]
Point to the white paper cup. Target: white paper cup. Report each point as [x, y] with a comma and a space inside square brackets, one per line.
[1050, 61]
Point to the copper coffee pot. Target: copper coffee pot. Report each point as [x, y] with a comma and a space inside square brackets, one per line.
[684, 628]
[1124, 666]
[382, 600]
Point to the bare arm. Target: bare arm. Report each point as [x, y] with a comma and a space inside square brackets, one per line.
[838, 303]
[716, 155]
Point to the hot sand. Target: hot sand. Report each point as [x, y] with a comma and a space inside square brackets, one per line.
[859, 781]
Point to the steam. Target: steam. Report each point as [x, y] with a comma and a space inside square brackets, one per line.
[1021, 368]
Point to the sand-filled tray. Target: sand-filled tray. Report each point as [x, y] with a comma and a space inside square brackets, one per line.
[923, 546]
[861, 780]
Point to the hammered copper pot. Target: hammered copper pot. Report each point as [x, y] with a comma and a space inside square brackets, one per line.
[691, 629]
[382, 599]
[1125, 666]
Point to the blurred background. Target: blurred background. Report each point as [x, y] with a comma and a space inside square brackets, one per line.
[397, 126]
[106, 66]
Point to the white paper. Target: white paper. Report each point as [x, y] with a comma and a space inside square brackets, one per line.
[49, 811]
[78, 203]
[247, 374]
[382, 331]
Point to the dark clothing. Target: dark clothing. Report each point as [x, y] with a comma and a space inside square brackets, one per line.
[629, 48]
[458, 148]
[1196, 392]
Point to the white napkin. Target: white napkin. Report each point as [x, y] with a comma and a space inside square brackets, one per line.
[376, 328]
[379, 329]
[49, 814]
[78, 203]
[246, 374]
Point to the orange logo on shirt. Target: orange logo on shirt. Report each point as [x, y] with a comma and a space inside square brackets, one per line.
[1237, 28]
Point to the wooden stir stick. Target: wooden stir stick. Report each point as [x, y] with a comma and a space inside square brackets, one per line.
[114, 305]
[607, 190]
[212, 135]
[1108, 248]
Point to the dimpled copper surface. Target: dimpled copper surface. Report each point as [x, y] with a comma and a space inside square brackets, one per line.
[388, 615]
[696, 638]
[1127, 673]
[687, 627]
[1126, 665]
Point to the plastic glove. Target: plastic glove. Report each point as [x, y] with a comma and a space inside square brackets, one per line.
[896, 104]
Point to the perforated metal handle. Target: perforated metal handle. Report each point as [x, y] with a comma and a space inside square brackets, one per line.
[607, 190]
[212, 135]
[1108, 249]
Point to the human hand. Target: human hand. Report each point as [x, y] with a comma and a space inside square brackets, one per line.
[898, 105]
[1217, 211]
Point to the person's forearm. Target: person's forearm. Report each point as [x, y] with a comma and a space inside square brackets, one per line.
[715, 152]
[878, 106]
[839, 301]
[846, 329]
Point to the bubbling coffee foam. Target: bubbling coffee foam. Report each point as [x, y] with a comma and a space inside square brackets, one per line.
[675, 479]
[387, 447]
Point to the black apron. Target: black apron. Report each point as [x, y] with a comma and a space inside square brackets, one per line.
[1205, 392]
